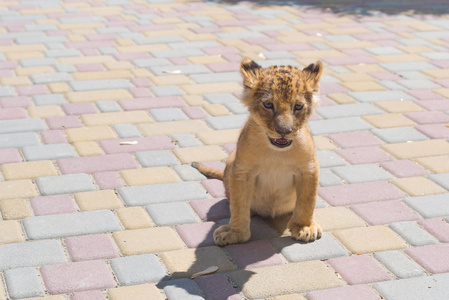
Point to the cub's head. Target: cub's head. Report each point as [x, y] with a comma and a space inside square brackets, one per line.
[280, 98]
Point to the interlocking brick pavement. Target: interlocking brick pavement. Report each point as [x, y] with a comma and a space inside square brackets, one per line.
[104, 105]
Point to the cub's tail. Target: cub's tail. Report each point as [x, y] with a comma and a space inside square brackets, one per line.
[209, 172]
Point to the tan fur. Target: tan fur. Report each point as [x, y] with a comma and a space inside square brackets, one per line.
[261, 177]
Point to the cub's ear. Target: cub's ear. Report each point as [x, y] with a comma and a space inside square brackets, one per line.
[250, 71]
[313, 74]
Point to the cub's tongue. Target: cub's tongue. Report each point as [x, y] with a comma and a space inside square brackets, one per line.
[281, 140]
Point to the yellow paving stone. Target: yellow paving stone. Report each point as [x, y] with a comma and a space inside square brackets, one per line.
[399, 106]
[352, 45]
[59, 87]
[171, 80]
[414, 49]
[99, 95]
[216, 109]
[203, 153]
[362, 68]
[194, 100]
[442, 92]
[22, 48]
[104, 199]
[19, 80]
[288, 297]
[15, 56]
[147, 240]
[136, 292]
[354, 77]
[102, 75]
[362, 86]
[418, 149]
[90, 133]
[134, 218]
[185, 262]
[341, 98]
[437, 73]
[141, 48]
[88, 148]
[415, 24]
[124, 42]
[10, 232]
[42, 11]
[85, 59]
[76, 38]
[141, 72]
[146, 176]
[28, 170]
[72, 26]
[323, 143]
[17, 189]
[219, 137]
[2, 292]
[418, 186]
[119, 65]
[318, 25]
[316, 54]
[156, 33]
[399, 58]
[15, 209]
[207, 59]
[34, 70]
[172, 127]
[389, 120]
[294, 38]
[369, 239]
[110, 118]
[57, 297]
[45, 111]
[436, 164]
[206, 88]
[334, 218]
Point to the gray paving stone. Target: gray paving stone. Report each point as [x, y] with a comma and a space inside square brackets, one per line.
[380, 96]
[23, 283]
[384, 50]
[31, 254]
[348, 110]
[162, 193]
[418, 288]
[227, 122]
[48, 152]
[151, 62]
[137, 269]
[104, 84]
[22, 125]
[237, 108]
[181, 52]
[186, 140]
[328, 158]
[340, 38]
[240, 35]
[65, 184]
[320, 46]
[40, 39]
[413, 233]
[66, 68]
[414, 42]
[441, 179]
[327, 178]
[324, 248]
[158, 39]
[174, 213]
[431, 206]
[412, 75]
[278, 54]
[183, 69]
[399, 264]
[156, 158]
[17, 140]
[50, 77]
[408, 66]
[7, 91]
[279, 62]
[40, 27]
[216, 77]
[166, 90]
[221, 98]
[49, 99]
[35, 62]
[167, 114]
[433, 34]
[108, 106]
[419, 84]
[398, 134]
[188, 173]
[339, 69]
[362, 173]
[126, 130]
[338, 125]
[71, 224]
[182, 289]
[107, 50]
[391, 85]
[274, 27]
[436, 55]
[62, 52]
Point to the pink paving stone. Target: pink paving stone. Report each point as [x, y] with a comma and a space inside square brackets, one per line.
[341, 61]
[233, 23]
[315, 117]
[95, 164]
[437, 228]
[207, 30]
[364, 155]
[356, 52]
[232, 57]
[434, 131]
[404, 168]
[287, 47]
[89, 45]
[102, 36]
[355, 139]
[254, 254]
[63, 122]
[131, 56]
[79, 108]
[143, 144]
[361, 292]
[77, 276]
[141, 82]
[211, 209]
[140, 92]
[8, 65]
[434, 104]
[214, 164]
[442, 82]
[10, 156]
[214, 187]
[325, 101]
[195, 112]
[314, 32]
[15, 102]
[424, 94]
[217, 287]
[385, 76]
[179, 61]
[31, 90]
[229, 147]
[327, 88]
[88, 295]
[271, 33]
[428, 117]
[433, 258]
[261, 41]
[12, 113]
[376, 36]
[52, 205]
[7, 73]
[384, 212]
[151, 102]
[441, 63]
[399, 29]
[359, 269]
[53, 136]
[198, 234]
[89, 52]
[224, 67]
[90, 247]
[107, 180]
[355, 193]
[156, 27]
[89, 67]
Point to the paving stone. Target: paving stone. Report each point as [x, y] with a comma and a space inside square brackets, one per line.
[50, 99]
[418, 186]
[137, 269]
[348, 110]
[17, 140]
[147, 176]
[10, 232]
[186, 69]
[441, 179]
[168, 114]
[399, 134]
[65, 184]
[373, 96]
[188, 173]
[134, 217]
[328, 178]
[436, 164]
[31, 254]
[10, 156]
[338, 125]
[216, 287]
[87, 295]
[329, 158]
[197, 234]
[48, 152]
[399, 264]
[21, 125]
[220, 98]
[62, 225]
[140, 144]
[13, 189]
[94, 164]
[429, 206]
[156, 158]
[15, 209]
[433, 258]
[211, 209]
[346, 292]
[167, 214]
[186, 140]
[437, 227]
[108, 106]
[28, 170]
[355, 139]
[126, 130]
[23, 282]
[227, 122]
[182, 289]
[334, 218]
[362, 173]
[89, 85]
[413, 233]
[137, 292]
[364, 155]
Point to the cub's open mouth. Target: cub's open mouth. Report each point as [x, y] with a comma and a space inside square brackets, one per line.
[281, 142]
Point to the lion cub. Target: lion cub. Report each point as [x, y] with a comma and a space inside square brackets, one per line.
[274, 170]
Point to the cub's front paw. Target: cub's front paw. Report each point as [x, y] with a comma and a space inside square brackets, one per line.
[305, 233]
[225, 235]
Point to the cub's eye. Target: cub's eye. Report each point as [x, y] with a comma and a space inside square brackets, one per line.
[298, 107]
[268, 104]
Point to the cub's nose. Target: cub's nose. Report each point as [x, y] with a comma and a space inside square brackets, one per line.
[283, 130]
